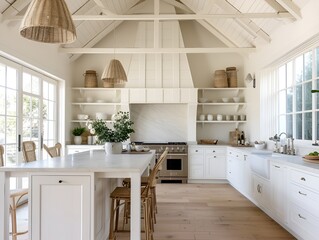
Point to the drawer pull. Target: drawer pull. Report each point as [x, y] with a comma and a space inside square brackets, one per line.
[214, 156]
[302, 179]
[302, 193]
[299, 215]
[196, 150]
[277, 166]
[236, 155]
[60, 181]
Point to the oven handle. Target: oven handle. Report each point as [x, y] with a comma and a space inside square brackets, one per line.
[176, 154]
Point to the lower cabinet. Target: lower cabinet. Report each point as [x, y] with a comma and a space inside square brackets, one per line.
[278, 176]
[238, 171]
[303, 203]
[262, 192]
[207, 163]
[55, 217]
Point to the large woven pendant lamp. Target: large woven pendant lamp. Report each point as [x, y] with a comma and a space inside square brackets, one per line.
[115, 73]
[48, 21]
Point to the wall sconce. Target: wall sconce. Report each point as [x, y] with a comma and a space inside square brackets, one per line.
[250, 78]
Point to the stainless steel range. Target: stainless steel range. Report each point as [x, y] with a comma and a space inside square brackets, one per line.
[175, 167]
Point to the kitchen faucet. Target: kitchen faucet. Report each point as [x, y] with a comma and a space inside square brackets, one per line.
[285, 149]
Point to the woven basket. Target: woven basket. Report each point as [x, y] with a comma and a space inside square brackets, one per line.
[220, 79]
[231, 77]
[108, 84]
[90, 80]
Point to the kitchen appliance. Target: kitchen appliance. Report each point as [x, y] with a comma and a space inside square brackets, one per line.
[175, 167]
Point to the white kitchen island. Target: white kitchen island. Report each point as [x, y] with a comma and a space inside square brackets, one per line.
[69, 196]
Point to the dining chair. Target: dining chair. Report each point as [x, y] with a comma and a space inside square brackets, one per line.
[54, 151]
[28, 149]
[144, 181]
[122, 195]
[15, 201]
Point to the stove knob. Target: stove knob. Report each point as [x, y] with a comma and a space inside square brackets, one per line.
[177, 149]
[182, 149]
[172, 149]
[161, 149]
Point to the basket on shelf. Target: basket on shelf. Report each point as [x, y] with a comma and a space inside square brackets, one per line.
[231, 77]
[107, 84]
[90, 79]
[220, 79]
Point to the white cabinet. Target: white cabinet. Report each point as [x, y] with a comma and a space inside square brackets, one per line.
[48, 208]
[303, 203]
[278, 179]
[207, 162]
[262, 192]
[238, 171]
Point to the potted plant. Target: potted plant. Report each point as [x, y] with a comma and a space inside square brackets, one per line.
[77, 132]
[112, 134]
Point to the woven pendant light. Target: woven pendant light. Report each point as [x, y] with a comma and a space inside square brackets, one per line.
[48, 21]
[115, 72]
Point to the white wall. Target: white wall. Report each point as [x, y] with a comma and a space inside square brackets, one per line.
[40, 57]
[284, 41]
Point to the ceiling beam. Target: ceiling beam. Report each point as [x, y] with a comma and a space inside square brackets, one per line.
[275, 5]
[168, 17]
[291, 7]
[104, 8]
[153, 50]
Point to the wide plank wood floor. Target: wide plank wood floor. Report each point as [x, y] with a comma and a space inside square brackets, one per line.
[210, 212]
[205, 212]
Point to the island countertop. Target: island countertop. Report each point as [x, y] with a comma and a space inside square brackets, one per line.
[88, 161]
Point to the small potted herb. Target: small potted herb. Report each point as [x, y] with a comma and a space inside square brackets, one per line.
[77, 132]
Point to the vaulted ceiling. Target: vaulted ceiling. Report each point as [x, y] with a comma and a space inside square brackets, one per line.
[239, 24]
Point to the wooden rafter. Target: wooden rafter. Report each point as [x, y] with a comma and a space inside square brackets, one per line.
[169, 17]
[291, 7]
[153, 50]
[275, 5]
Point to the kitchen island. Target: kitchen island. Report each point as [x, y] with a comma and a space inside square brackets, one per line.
[69, 196]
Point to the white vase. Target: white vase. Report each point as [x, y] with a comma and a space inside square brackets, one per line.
[77, 140]
[113, 147]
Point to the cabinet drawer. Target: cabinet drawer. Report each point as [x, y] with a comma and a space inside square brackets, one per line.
[195, 151]
[304, 179]
[217, 151]
[305, 198]
[303, 222]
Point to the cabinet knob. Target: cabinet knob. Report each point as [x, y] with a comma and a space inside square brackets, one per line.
[302, 179]
[214, 156]
[276, 166]
[213, 150]
[60, 181]
[196, 150]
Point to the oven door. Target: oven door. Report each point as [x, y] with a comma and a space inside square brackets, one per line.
[175, 165]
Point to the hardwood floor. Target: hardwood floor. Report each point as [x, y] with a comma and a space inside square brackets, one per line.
[208, 212]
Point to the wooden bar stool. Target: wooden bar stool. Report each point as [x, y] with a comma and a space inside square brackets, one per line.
[28, 149]
[54, 151]
[122, 195]
[15, 198]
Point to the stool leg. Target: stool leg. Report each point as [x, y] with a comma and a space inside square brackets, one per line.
[146, 219]
[111, 233]
[117, 214]
[13, 210]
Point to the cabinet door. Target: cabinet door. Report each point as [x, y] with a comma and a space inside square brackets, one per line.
[215, 167]
[278, 179]
[60, 207]
[196, 166]
[262, 192]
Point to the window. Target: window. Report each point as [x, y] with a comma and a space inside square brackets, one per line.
[298, 107]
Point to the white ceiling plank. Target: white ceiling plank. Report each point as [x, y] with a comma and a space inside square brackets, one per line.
[153, 50]
[292, 8]
[14, 9]
[156, 23]
[275, 6]
[104, 9]
[248, 23]
[169, 17]
[178, 5]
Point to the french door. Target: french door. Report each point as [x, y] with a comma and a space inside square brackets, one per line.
[28, 111]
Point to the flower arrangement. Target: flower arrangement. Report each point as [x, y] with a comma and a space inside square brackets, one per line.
[119, 130]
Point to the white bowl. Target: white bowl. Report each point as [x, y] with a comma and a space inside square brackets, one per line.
[139, 148]
[82, 116]
[259, 146]
[225, 100]
[236, 99]
[202, 100]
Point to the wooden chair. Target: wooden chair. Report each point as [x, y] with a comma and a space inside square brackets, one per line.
[28, 149]
[144, 180]
[54, 151]
[122, 195]
[15, 198]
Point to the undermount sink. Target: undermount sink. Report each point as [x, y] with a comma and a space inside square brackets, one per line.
[260, 162]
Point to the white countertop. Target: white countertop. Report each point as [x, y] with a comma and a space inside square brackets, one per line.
[89, 161]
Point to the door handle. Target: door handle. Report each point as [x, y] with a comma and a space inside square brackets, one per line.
[19, 143]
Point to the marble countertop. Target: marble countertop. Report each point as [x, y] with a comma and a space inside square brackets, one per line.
[88, 161]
